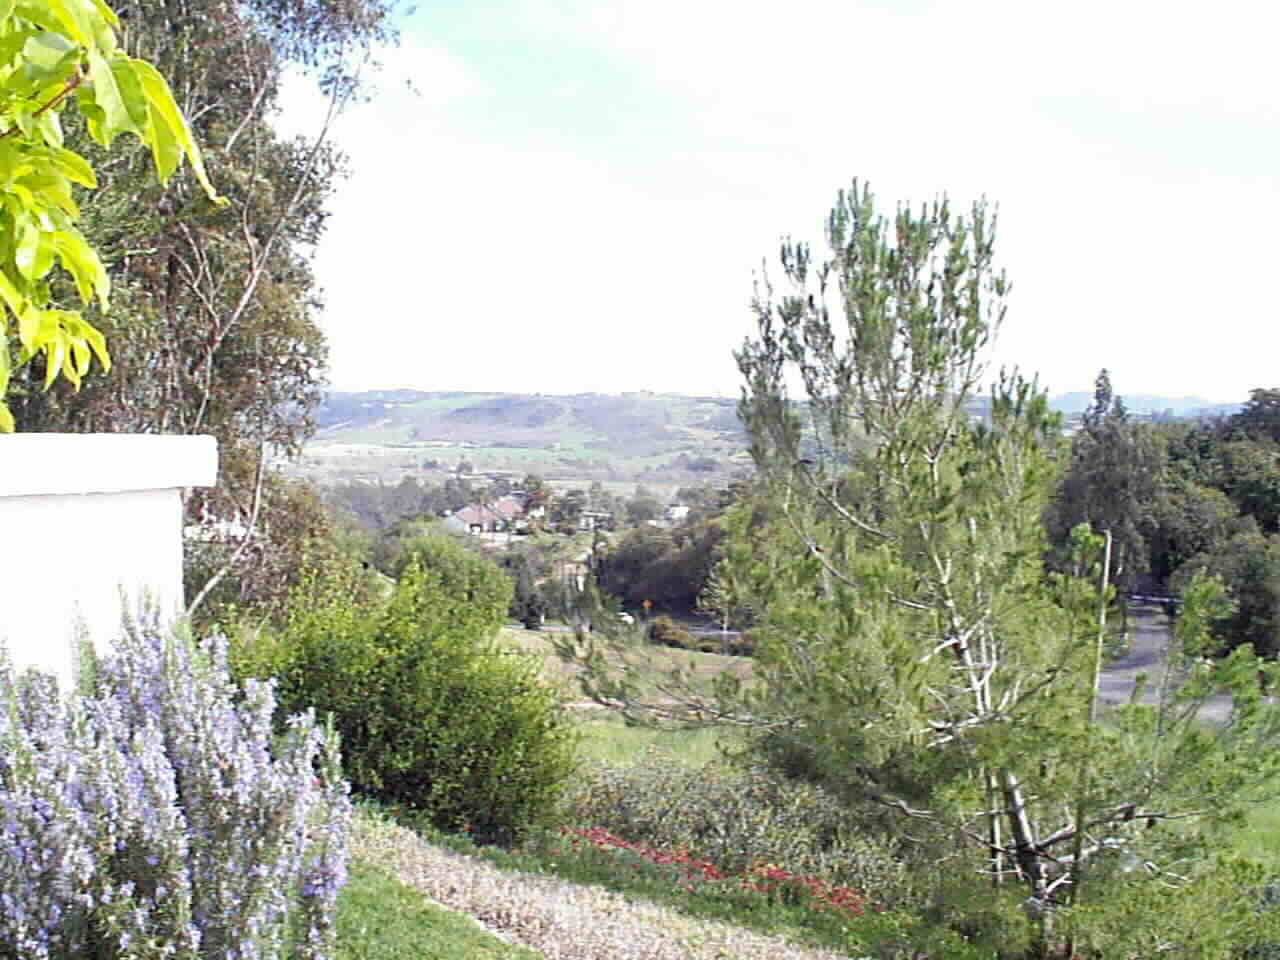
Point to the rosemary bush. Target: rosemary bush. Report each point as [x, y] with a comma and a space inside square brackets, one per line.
[156, 814]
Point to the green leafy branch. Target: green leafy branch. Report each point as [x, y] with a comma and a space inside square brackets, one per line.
[53, 52]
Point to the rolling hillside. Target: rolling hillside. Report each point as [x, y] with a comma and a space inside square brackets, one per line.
[653, 438]
[632, 436]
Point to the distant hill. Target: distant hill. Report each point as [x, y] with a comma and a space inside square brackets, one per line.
[1073, 404]
[630, 432]
[635, 424]
[1079, 401]
[638, 437]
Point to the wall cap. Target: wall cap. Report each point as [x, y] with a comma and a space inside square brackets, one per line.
[56, 464]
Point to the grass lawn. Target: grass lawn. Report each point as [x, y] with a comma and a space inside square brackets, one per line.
[606, 739]
[379, 918]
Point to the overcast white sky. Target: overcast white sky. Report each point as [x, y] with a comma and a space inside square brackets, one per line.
[578, 196]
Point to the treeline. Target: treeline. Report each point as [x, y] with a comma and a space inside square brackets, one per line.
[1180, 498]
[1177, 497]
[669, 566]
[375, 508]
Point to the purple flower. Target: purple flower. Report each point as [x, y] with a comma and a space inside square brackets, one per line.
[163, 806]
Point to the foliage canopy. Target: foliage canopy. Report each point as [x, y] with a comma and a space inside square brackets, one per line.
[54, 53]
[912, 653]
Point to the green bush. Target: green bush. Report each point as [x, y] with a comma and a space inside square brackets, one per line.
[432, 716]
[664, 632]
[744, 646]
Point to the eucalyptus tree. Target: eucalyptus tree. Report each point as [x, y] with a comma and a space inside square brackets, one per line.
[911, 650]
[61, 62]
[215, 315]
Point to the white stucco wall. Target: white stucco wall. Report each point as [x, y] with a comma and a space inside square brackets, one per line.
[85, 516]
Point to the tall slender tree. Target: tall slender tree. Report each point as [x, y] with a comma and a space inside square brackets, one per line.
[910, 648]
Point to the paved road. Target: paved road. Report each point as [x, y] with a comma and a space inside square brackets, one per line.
[1149, 641]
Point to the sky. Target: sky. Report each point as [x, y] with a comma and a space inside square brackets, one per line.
[578, 196]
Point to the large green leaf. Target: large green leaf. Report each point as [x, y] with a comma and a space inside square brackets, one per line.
[4, 362]
[135, 100]
[53, 191]
[50, 127]
[165, 148]
[59, 16]
[106, 13]
[48, 51]
[41, 43]
[94, 116]
[9, 159]
[55, 353]
[98, 344]
[85, 266]
[107, 95]
[29, 328]
[164, 112]
[76, 22]
[24, 255]
[74, 167]
[14, 300]
[80, 358]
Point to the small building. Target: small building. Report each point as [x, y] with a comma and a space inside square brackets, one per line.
[503, 514]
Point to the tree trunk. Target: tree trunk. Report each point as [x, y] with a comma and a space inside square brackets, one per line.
[1030, 863]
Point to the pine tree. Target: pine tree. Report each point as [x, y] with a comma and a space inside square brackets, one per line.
[911, 651]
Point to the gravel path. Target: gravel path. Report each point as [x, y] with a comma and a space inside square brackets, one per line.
[563, 921]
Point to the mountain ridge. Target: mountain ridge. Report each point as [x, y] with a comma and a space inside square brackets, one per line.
[445, 411]
[640, 436]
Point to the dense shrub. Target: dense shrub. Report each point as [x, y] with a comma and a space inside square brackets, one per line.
[1216, 908]
[665, 632]
[433, 717]
[743, 646]
[669, 568]
[738, 819]
[729, 646]
[159, 815]
[528, 603]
